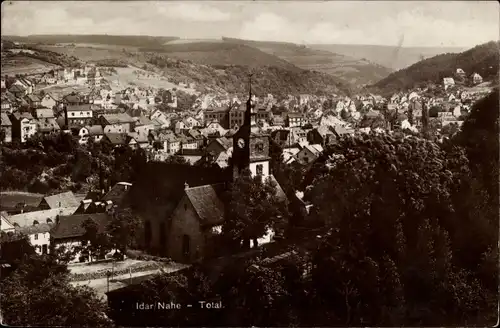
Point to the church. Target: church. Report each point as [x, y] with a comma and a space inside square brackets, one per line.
[182, 206]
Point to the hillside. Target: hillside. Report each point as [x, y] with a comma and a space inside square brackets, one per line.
[118, 40]
[27, 60]
[482, 59]
[393, 57]
[221, 54]
[233, 79]
[356, 71]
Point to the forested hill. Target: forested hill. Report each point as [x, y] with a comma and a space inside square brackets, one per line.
[482, 59]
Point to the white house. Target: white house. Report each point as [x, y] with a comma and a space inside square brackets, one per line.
[48, 101]
[39, 236]
[448, 82]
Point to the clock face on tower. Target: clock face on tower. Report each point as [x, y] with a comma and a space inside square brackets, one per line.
[241, 143]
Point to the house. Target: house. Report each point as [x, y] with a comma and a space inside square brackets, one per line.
[47, 126]
[448, 82]
[95, 132]
[309, 154]
[5, 224]
[42, 113]
[79, 115]
[331, 120]
[116, 139]
[289, 154]
[187, 142]
[197, 137]
[24, 126]
[192, 156]
[294, 119]
[72, 100]
[39, 236]
[62, 200]
[33, 101]
[476, 78]
[190, 122]
[48, 101]
[161, 117]
[136, 140]
[36, 217]
[277, 120]
[5, 127]
[460, 72]
[18, 91]
[48, 78]
[218, 145]
[219, 115]
[171, 144]
[123, 120]
[68, 231]
[117, 193]
[26, 84]
[322, 135]
[6, 104]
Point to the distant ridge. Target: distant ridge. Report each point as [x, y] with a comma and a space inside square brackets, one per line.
[482, 59]
[393, 57]
[119, 40]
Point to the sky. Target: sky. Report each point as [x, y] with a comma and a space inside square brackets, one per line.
[405, 23]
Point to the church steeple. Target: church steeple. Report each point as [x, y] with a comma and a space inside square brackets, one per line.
[248, 113]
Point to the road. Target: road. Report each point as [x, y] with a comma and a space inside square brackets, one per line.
[101, 285]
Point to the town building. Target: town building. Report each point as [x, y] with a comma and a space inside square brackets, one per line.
[78, 115]
[5, 127]
[24, 126]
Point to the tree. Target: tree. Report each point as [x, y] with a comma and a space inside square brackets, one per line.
[253, 208]
[176, 159]
[95, 242]
[397, 217]
[124, 230]
[39, 293]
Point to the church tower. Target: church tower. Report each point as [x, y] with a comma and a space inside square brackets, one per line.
[250, 149]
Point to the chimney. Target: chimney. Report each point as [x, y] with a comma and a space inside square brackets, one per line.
[57, 219]
[186, 186]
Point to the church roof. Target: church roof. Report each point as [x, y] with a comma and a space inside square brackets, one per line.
[207, 203]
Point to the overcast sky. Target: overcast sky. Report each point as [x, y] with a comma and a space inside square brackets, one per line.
[418, 23]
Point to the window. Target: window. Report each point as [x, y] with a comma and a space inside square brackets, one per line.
[35, 222]
[306, 159]
[36, 236]
[260, 169]
[44, 249]
[186, 247]
[72, 114]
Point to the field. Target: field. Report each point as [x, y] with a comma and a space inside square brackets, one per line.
[87, 52]
[24, 65]
[133, 76]
[9, 199]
